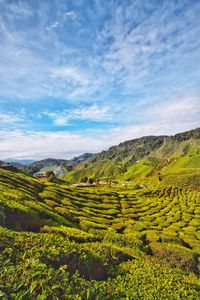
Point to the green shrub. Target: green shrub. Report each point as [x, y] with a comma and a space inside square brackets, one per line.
[175, 255]
[70, 233]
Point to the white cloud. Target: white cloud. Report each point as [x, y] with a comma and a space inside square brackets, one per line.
[71, 74]
[137, 60]
[38, 145]
[120, 134]
[9, 118]
[54, 25]
[140, 47]
[91, 113]
[35, 63]
[59, 118]
[18, 10]
[145, 52]
[27, 75]
[70, 15]
[179, 109]
[63, 144]
[67, 16]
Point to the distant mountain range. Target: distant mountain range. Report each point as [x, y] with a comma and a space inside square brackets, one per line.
[19, 161]
[58, 166]
[150, 158]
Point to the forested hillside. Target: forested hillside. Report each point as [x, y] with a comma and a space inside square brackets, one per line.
[148, 158]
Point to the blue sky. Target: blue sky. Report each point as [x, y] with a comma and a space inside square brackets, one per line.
[81, 75]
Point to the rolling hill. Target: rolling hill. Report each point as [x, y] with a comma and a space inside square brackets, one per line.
[148, 158]
[64, 242]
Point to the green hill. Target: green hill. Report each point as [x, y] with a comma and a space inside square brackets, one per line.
[175, 162]
[146, 157]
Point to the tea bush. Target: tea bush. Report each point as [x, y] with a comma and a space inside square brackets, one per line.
[64, 242]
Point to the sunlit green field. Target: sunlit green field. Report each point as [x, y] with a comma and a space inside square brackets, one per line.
[121, 242]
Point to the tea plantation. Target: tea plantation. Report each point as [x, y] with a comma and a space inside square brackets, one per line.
[121, 242]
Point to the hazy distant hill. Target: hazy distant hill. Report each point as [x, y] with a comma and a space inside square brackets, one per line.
[19, 161]
[59, 166]
[47, 164]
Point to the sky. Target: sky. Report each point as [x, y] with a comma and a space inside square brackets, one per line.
[80, 76]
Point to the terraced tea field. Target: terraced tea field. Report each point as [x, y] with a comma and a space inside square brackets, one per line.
[168, 212]
[63, 242]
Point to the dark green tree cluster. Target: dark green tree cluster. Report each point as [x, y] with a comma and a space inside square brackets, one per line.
[85, 179]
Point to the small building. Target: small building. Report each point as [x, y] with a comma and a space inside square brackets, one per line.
[40, 175]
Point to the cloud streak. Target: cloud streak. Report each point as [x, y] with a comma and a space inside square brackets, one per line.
[168, 118]
[128, 66]
[87, 113]
[137, 47]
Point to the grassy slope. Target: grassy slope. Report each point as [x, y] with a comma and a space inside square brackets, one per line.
[173, 158]
[108, 164]
[101, 169]
[123, 158]
[184, 166]
[140, 169]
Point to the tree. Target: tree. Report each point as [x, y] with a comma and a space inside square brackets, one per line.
[84, 179]
[52, 178]
[91, 180]
[48, 173]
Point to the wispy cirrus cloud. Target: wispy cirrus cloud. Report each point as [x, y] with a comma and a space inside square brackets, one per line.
[18, 9]
[157, 47]
[71, 16]
[88, 113]
[128, 66]
[181, 109]
[9, 119]
[52, 26]
[71, 74]
[138, 47]
[34, 63]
